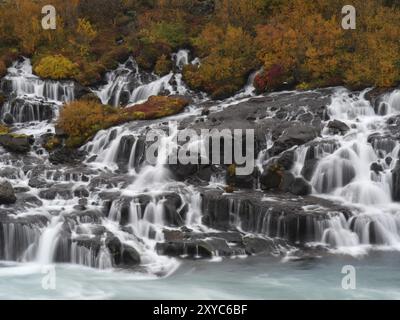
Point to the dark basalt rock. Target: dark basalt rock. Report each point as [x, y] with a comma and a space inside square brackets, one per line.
[16, 143]
[286, 160]
[9, 173]
[28, 110]
[296, 135]
[376, 167]
[7, 194]
[110, 181]
[66, 156]
[257, 245]
[195, 248]
[309, 168]
[300, 187]
[271, 178]
[81, 192]
[8, 119]
[382, 144]
[124, 151]
[63, 191]
[85, 216]
[38, 182]
[338, 127]
[284, 216]
[287, 181]
[28, 200]
[129, 257]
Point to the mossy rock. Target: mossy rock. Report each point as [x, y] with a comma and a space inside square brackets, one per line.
[4, 129]
[17, 143]
[81, 120]
[158, 107]
[52, 143]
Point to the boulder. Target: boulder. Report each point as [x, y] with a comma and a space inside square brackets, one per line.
[8, 119]
[16, 143]
[287, 181]
[66, 156]
[295, 135]
[129, 256]
[271, 178]
[376, 167]
[9, 173]
[38, 182]
[7, 194]
[256, 245]
[81, 192]
[300, 187]
[309, 168]
[286, 160]
[60, 190]
[338, 127]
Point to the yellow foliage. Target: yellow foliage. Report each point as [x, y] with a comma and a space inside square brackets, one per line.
[229, 57]
[81, 120]
[56, 67]
[4, 129]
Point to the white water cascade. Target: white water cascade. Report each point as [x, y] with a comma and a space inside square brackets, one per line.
[356, 168]
[33, 99]
[127, 85]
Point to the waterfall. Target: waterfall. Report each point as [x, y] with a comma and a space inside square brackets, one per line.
[143, 92]
[31, 98]
[181, 58]
[127, 85]
[21, 81]
[48, 242]
[121, 82]
[353, 168]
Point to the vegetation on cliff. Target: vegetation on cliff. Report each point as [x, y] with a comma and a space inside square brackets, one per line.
[81, 120]
[296, 42]
[56, 67]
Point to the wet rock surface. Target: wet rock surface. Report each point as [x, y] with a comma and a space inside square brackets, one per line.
[104, 206]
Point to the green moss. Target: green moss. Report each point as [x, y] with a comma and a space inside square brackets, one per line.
[172, 34]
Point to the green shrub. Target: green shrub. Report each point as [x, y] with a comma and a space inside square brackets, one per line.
[172, 34]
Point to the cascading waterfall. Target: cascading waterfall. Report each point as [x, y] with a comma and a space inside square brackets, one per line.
[356, 168]
[127, 85]
[21, 81]
[181, 58]
[33, 99]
